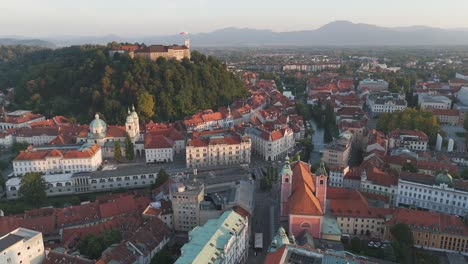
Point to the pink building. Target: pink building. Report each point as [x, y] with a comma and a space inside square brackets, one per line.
[303, 197]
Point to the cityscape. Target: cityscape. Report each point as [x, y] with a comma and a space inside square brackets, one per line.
[343, 142]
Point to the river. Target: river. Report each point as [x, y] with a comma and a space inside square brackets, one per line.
[317, 141]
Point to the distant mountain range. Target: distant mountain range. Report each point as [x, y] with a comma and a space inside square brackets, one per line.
[27, 42]
[338, 33]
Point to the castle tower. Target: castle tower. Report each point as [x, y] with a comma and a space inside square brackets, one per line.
[132, 125]
[286, 186]
[136, 122]
[321, 178]
[187, 42]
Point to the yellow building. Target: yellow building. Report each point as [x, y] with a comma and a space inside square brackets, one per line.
[153, 52]
[434, 231]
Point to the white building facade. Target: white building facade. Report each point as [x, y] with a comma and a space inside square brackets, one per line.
[410, 139]
[440, 193]
[51, 160]
[23, 246]
[218, 150]
[271, 145]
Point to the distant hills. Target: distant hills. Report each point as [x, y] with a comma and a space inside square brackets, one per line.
[338, 33]
[26, 42]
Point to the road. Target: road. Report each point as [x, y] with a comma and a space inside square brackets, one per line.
[266, 212]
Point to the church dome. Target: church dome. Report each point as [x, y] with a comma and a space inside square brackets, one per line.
[286, 168]
[97, 127]
[444, 178]
[134, 113]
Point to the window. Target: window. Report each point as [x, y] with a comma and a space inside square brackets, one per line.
[305, 225]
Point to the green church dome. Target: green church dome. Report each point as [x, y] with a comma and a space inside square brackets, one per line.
[97, 127]
[444, 177]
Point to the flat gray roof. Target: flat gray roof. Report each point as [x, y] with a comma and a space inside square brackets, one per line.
[9, 240]
[120, 171]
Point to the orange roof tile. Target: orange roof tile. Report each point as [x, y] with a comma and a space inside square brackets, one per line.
[302, 200]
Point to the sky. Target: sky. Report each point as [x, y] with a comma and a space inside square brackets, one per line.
[158, 17]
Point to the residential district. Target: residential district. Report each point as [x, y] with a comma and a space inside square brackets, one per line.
[253, 181]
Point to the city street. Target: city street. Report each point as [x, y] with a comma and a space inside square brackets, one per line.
[266, 212]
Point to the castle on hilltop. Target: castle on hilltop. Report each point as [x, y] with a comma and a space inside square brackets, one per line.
[153, 52]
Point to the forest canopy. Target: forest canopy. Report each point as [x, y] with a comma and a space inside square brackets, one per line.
[80, 81]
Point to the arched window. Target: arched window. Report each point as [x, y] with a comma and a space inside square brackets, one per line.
[68, 184]
[286, 180]
[50, 185]
[305, 225]
[321, 182]
[59, 184]
[13, 188]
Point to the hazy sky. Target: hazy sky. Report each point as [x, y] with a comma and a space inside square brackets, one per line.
[156, 17]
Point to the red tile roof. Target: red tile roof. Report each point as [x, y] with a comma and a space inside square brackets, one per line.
[429, 221]
[66, 154]
[146, 238]
[79, 214]
[445, 112]
[123, 205]
[397, 133]
[302, 200]
[155, 141]
[379, 177]
[116, 131]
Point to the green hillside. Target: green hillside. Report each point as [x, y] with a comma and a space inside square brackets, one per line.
[79, 81]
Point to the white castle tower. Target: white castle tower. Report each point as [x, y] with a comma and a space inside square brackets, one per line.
[132, 125]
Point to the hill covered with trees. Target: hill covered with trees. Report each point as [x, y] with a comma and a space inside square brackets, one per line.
[80, 81]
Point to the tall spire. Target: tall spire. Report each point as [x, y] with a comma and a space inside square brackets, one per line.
[322, 170]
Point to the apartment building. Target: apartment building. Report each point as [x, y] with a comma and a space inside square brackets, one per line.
[372, 85]
[337, 152]
[439, 194]
[447, 116]
[221, 240]
[22, 246]
[271, 144]
[354, 215]
[18, 118]
[385, 102]
[186, 200]
[58, 159]
[218, 147]
[426, 101]
[432, 231]
[410, 139]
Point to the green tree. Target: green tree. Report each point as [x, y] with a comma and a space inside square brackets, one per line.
[33, 188]
[402, 242]
[86, 81]
[162, 177]
[294, 158]
[356, 244]
[129, 148]
[93, 245]
[145, 102]
[117, 151]
[163, 257]
[409, 167]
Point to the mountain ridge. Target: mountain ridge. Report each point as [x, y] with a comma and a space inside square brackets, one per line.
[336, 33]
